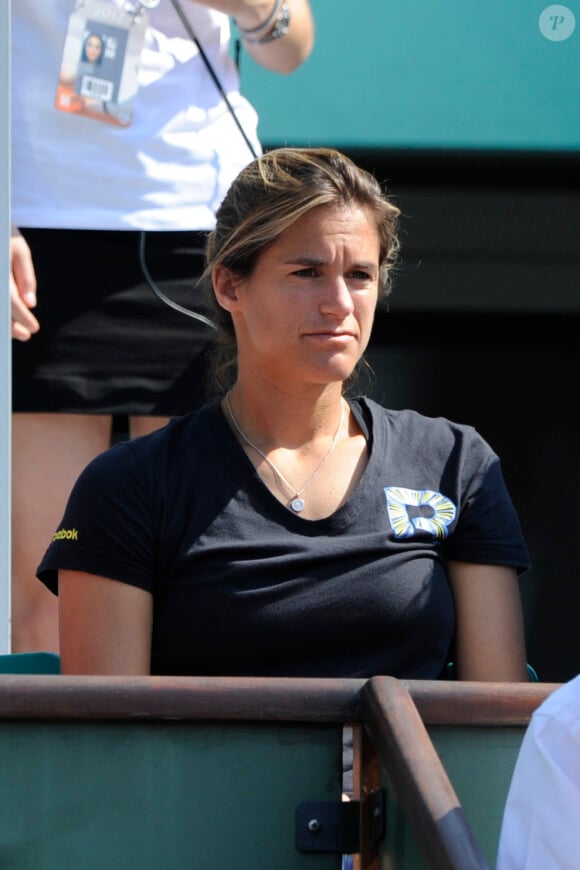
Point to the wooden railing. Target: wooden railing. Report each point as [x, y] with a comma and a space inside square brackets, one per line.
[213, 772]
[401, 719]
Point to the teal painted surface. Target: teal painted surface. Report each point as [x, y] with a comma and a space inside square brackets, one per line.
[421, 74]
[146, 796]
[479, 763]
[30, 663]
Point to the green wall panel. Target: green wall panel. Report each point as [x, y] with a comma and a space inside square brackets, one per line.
[420, 74]
[161, 796]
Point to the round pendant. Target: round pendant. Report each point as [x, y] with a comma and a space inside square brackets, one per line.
[297, 504]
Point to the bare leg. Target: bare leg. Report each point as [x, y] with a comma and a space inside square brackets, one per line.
[48, 453]
[145, 425]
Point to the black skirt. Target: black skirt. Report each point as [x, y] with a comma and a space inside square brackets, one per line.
[107, 344]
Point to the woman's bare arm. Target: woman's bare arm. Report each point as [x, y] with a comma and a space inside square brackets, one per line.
[490, 632]
[105, 626]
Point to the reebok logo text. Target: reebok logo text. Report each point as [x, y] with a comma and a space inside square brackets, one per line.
[66, 535]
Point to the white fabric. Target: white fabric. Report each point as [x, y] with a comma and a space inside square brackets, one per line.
[168, 170]
[541, 824]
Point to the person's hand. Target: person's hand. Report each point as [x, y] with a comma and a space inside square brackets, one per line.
[280, 55]
[22, 289]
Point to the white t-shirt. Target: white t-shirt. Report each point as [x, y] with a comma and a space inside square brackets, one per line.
[169, 170]
[541, 823]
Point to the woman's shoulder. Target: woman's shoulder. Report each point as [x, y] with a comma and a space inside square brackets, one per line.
[202, 424]
[435, 440]
[192, 433]
[408, 419]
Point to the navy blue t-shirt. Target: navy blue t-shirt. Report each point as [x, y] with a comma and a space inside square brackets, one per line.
[244, 586]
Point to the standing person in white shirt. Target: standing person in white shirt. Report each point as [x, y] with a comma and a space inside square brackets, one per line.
[541, 823]
[118, 169]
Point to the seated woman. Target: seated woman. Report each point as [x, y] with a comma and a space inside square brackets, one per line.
[286, 529]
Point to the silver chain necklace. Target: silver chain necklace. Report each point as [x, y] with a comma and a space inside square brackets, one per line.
[297, 504]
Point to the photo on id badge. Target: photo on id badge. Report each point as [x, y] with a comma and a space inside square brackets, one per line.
[99, 69]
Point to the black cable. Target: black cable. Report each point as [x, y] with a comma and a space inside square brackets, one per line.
[212, 72]
[159, 293]
[142, 239]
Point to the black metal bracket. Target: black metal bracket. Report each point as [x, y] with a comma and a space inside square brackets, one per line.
[326, 826]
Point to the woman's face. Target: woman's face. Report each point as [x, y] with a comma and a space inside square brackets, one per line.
[307, 310]
[93, 48]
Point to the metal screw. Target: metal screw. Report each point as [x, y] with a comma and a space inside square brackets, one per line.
[313, 826]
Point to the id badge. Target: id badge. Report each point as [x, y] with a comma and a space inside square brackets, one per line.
[100, 63]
